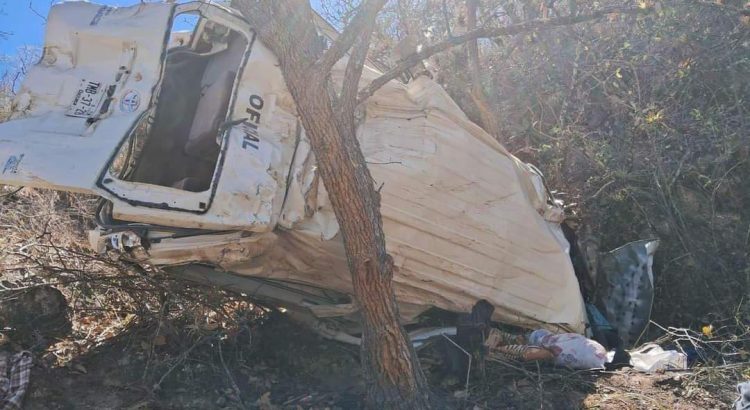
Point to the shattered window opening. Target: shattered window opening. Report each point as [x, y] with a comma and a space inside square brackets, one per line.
[177, 145]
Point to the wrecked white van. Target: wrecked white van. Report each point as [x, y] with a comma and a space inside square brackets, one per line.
[192, 142]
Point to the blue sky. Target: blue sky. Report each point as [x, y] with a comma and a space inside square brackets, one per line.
[26, 26]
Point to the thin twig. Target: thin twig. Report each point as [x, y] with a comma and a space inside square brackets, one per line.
[468, 370]
[179, 361]
[230, 377]
[15, 191]
[33, 10]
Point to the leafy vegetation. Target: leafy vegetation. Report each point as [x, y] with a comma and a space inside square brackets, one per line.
[640, 123]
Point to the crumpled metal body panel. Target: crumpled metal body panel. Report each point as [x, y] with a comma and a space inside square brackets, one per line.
[464, 219]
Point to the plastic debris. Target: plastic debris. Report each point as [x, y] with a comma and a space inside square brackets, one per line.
[652, 358]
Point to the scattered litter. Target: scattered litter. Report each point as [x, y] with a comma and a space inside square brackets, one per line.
[626, 288]
[652, 358]
[743, 402]
[569, 350]
[15, 373]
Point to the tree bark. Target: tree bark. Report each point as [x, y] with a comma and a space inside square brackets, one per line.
[390, 363]
[478, 95]
[395, 380]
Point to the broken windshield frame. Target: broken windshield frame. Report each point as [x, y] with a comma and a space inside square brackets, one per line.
[141, 178]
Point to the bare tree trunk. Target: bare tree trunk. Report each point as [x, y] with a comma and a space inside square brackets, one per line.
[478, 95]
[389, 361]
[395, 380]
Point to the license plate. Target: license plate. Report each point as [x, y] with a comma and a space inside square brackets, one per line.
[87, 100]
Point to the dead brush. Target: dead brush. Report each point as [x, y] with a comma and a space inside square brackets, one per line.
[167, 322]
[719, 353]
[497, 382]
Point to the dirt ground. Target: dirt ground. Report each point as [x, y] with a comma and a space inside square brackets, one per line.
[283, 366]
[280, 365]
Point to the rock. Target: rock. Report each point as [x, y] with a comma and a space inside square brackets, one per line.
[34, 316]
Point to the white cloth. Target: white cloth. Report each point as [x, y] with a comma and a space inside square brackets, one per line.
[651, 358]
[571, 349]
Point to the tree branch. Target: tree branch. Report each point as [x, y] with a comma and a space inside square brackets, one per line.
[362, 21]
[478, 95]
[742, 11]
[33, 10]
[353, 73]
[487, 32]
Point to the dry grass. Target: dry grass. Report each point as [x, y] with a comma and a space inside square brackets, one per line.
[43, 244]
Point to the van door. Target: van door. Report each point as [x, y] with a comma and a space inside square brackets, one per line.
[98, 73]
[216, 152]
[201, 139]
